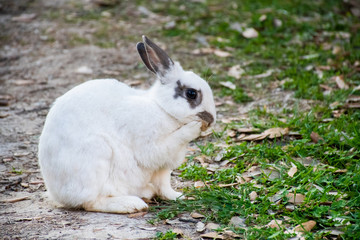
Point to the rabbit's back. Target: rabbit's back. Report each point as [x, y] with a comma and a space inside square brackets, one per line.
[75, 147]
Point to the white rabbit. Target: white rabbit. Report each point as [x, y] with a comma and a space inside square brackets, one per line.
[105, 145]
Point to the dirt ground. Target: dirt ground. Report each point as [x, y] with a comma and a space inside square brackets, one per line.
[33, 72]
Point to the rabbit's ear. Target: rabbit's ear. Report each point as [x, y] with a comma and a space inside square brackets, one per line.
[157, 58]
[144, 57]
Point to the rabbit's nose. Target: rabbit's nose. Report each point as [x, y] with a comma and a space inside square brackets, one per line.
[206, 117]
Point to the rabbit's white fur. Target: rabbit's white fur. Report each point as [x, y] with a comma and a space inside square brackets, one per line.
[105, 145]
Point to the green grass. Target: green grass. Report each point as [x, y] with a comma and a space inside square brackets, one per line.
[298, 49]
[306, 44]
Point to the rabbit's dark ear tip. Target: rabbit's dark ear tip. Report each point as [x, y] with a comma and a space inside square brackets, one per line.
[145, 38]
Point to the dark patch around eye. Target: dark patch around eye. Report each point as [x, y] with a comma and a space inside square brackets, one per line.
[180, 91]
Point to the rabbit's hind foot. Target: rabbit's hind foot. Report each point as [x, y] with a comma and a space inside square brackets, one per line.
[120, 204]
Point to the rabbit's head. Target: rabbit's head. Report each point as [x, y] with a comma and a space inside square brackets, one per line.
[182, 94]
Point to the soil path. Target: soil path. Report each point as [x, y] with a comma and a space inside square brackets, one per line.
[39, 61]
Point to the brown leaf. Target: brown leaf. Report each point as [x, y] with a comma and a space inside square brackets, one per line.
[212, 226]
[276, 132]
[213, 235]
[315, 137]
[236, 71]
[353, 98]
[268, 73]
[247, 130]
[305, 227]
[275, 224]
[270, 133]
[228, 84]
[336, 50]
[292, 171]
[340, 82]
[228, 185]
[250, 33]
[353, 105]
[199, 184]
[196, 215]
[200, 227]
[221, 53]
[252, 137]
[242, 180]
[230, 234]
[231, 133]
[203, 51]
[326, 87]
[296, 198]
[253, 195]
[201, 159]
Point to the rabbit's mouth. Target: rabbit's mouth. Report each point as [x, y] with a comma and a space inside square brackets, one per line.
[207, 119]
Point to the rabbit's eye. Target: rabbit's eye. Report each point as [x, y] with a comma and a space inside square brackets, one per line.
[191, 93]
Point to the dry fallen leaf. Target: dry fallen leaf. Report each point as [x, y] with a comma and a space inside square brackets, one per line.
[295, 198]
[247, 130]
[336, 50]
[353, 105]
[231, 133]
[253, 195]
[236, 71]
[230, 234]
[200, 227]
[305, 227]
[292, 171]
[340, 82]
[213, 235]
[237, 221]
[196, 215]
[228, 185]
[228, 84]
[275, 224]
[250, 33]
[203, 51]
[270, 133]
[263, 75]
[221, 53]
[242, 180]
[252, 137]
[199, 184]
[276, 132]
[212, 226]
[315, 137]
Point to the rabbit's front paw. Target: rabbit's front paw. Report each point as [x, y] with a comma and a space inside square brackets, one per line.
[191, 130]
